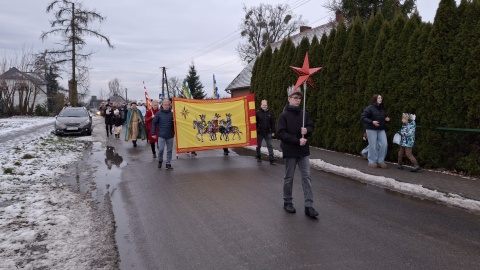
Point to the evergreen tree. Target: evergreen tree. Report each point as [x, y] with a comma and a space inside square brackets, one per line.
[324, 96]
[193, 80]
[437, 61]
[52, 89]
[315, 55]
[332, 85]
[349, 97]
[371, 35]
[317, 103]
[376, 64]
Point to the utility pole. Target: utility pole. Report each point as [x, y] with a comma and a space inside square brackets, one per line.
[126, 99]
[165, 82]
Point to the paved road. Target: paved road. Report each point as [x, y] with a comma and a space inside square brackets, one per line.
[225, 212]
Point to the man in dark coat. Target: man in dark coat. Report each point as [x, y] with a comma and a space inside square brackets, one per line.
[265, 130]
[295, 151]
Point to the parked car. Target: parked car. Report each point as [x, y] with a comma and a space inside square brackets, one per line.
[74, 121]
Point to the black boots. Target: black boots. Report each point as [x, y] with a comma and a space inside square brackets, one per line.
[259, 158]
[134, 143]
[160, 164]
[311, 212]
[289, 208]
[169, 166]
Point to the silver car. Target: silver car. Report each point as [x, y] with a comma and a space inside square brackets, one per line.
[73, 120]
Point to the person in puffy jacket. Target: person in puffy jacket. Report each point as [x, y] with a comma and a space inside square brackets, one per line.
[374, 118]
[162, 125]
[295, 151]
[407, 133]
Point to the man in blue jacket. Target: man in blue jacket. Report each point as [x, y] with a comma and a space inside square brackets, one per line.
[163, 121]
[295, 151]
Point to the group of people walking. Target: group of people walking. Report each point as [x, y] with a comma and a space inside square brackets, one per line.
[293, 129]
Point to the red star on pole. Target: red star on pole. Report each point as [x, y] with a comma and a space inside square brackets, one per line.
[304, 73]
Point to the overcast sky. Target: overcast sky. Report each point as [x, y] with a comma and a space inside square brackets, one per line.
[150, 34]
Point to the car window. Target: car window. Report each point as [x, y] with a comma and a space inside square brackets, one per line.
[73, 113]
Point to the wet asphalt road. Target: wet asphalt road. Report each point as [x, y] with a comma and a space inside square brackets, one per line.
[225, 212]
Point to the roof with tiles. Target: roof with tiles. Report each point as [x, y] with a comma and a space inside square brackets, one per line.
[243, 79]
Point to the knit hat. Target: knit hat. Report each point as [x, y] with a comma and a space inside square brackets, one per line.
[116, 111]
[291, 91]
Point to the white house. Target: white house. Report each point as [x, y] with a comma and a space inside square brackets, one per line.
[21, 91]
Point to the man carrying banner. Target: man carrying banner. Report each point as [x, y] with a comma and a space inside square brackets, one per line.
[265, 130]
[163, 126]
[295, 150]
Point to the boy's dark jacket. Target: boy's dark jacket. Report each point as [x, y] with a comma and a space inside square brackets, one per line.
[289, 132]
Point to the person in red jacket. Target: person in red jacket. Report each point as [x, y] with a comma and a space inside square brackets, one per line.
[149, 115]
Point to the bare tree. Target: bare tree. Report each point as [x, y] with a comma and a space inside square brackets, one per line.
[175, 87]
[263, 25]
[115, 87]
[72, 23]
[102, 94]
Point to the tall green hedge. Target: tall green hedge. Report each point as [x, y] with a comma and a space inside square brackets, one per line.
[432, 70]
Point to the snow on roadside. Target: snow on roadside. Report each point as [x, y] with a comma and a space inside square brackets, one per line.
[390, 183]
[43, 224]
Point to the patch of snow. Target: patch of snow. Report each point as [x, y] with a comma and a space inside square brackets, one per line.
[43, 224]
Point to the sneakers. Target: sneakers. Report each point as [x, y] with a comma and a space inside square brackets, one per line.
[289, 208]
[415, 168]
[373, 165]
[168, 166]
[364, 156]
[311, 212]
[383, 165]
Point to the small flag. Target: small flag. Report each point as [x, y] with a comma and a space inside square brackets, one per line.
[186, 90]
[215, 88]
[148, 102]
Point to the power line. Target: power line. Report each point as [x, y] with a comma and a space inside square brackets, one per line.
[209, 48]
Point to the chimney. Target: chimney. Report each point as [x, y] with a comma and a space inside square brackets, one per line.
[338, 16]
[304, 28]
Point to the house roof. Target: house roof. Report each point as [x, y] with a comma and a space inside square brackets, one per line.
[117, 98]
[15, 74]
[243, 79]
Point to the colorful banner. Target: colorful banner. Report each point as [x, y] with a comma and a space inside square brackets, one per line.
[186, 89]
[206, 124]
[215, 88]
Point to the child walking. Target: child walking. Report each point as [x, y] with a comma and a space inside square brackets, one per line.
[117, 123]
[408, 139]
